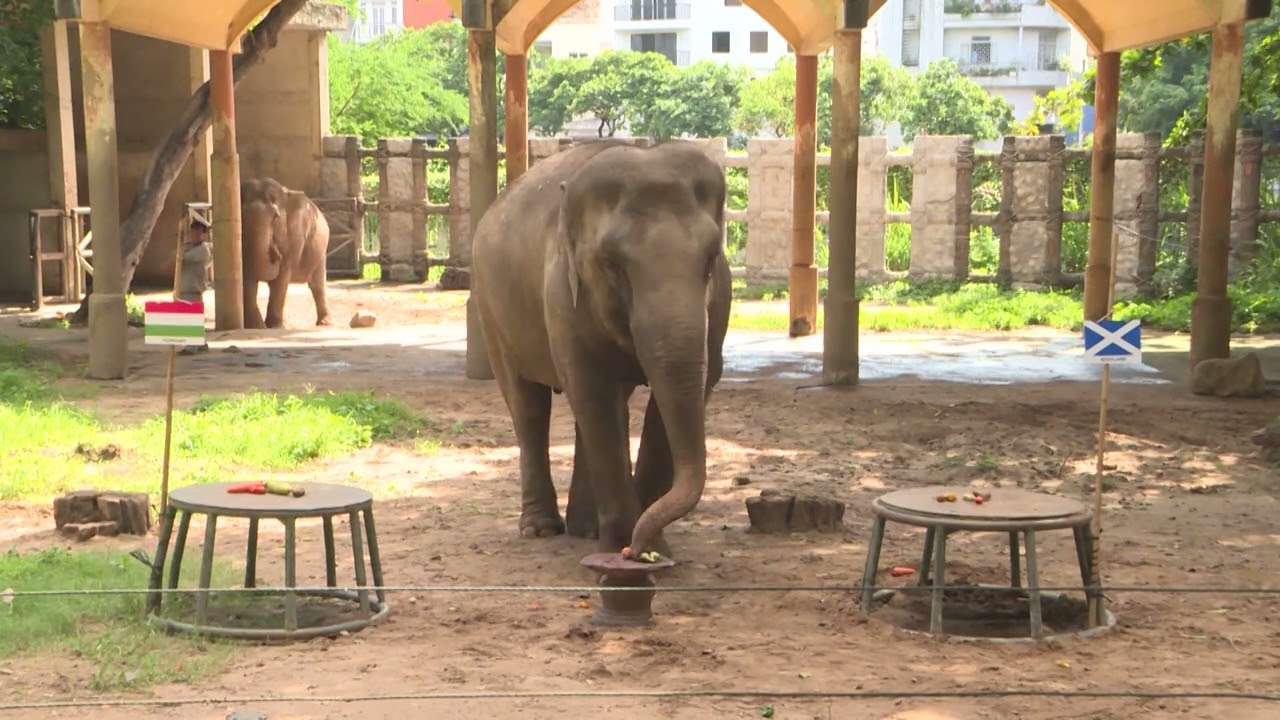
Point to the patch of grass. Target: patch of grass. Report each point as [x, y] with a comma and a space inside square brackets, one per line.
[935, 306]
[109, 631]
[1252, 311]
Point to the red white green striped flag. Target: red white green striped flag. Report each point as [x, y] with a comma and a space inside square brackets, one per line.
[176, 322]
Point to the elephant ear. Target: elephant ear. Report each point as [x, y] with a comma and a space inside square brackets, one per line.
[584, 202]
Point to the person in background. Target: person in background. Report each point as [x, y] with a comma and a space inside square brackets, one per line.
[197, 260]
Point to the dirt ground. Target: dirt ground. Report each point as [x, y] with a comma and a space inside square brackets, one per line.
[1192, 505]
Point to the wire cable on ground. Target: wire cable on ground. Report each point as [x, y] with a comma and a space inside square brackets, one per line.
[11, 594]
[655, 694]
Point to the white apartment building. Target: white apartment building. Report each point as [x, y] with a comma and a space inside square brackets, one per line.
[687, 31]
[380, 17]
[1014, 48]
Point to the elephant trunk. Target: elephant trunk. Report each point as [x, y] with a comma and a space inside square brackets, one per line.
[674, 356]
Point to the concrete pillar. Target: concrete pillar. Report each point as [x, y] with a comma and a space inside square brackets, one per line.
[941, 198]
[337, 181]
[1035, 227]
[769, 179]
[460, 202]
[1097, 273]
[1211, 309]
[1136, 211]
[1245, 200]
[228, 279]
[201, 156]
[803, 277]
[840, 329]
[108, 322]
[483, 95]
[516, 128]
[61, 142]
[873, 168]
[395, 211]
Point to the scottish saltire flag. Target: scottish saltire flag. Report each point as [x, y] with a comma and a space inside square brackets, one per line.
[175, 322]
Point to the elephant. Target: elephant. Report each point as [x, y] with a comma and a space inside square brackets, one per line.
[284, 239]
[601, 269]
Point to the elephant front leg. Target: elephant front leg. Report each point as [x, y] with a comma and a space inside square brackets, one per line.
[252, 316]
[600, 410]
[275, 299]
[316, 283]
[581, 519]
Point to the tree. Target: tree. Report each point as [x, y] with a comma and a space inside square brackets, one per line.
[1066, 104]
[398, 84]
[948, 103]
[698, 100]
[1165, 88]
[21, 86]
[767, 105]
[620, 87]
[553, 90]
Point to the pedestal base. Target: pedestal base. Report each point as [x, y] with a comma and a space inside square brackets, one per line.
[627, 608]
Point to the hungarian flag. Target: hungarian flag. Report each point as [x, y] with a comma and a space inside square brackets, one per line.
[175, 322]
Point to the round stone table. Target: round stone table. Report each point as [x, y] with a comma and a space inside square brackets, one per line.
[1011, 510]
[321, 500]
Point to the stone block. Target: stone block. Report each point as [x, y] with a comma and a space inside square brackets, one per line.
[400, 272]
[453, 278]
[333, 177]
[363, 319]
[334, 144]
[1240, 376]
[773, 511]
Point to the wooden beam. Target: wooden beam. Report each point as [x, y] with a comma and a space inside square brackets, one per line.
[516, 120]
[482, 124]
[1097, 273]
[840, 331]
[230, 297]
[1211, 309]
[803, 279]
[108, 321]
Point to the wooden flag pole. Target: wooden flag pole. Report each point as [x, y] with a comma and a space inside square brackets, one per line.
[168, 390]
[1095, 530]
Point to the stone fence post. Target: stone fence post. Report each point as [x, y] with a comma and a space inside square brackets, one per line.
[872, 214]
[1137, 211]
[395, 214]
[941, 202]
[769, 207]
[1031, 248]
[460, 202]
[1245, 200]
[1195, 187]
[340, 178]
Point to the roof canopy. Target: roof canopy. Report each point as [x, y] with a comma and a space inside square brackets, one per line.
[808, 25]
[209, 24]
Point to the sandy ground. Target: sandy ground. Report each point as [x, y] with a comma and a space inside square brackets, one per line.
[1192, 505]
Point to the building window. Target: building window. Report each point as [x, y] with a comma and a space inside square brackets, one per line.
[1048, 54]
[911, 48]
[759, 41]
[542, 48]
[732, 3]
[653, 10]
[790, 48]
[661, 43]
[980, 50]
[577, 54]
[720, 41]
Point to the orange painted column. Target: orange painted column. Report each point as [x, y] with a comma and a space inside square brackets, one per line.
[802, 281]
[516, 127]
[224, 169]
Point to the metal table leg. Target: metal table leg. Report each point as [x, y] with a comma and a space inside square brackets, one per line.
[290, 574]
[1033, 582]
[873, 562]
[1015, 565]
[251, 556]
[206, 570]
[179, 547]
[358, 551]
[926, 557]
[375, 559]
[939, 565]
[330, 561]
[154, 599]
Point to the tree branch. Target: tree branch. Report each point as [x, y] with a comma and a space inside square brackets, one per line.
[167, 161]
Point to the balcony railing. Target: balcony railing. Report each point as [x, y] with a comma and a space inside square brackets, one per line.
[640, 11]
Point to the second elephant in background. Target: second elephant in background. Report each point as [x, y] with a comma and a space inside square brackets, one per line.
[284, 240]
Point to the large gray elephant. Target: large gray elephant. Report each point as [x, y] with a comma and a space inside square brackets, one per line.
[599, 270]
[284, 239]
